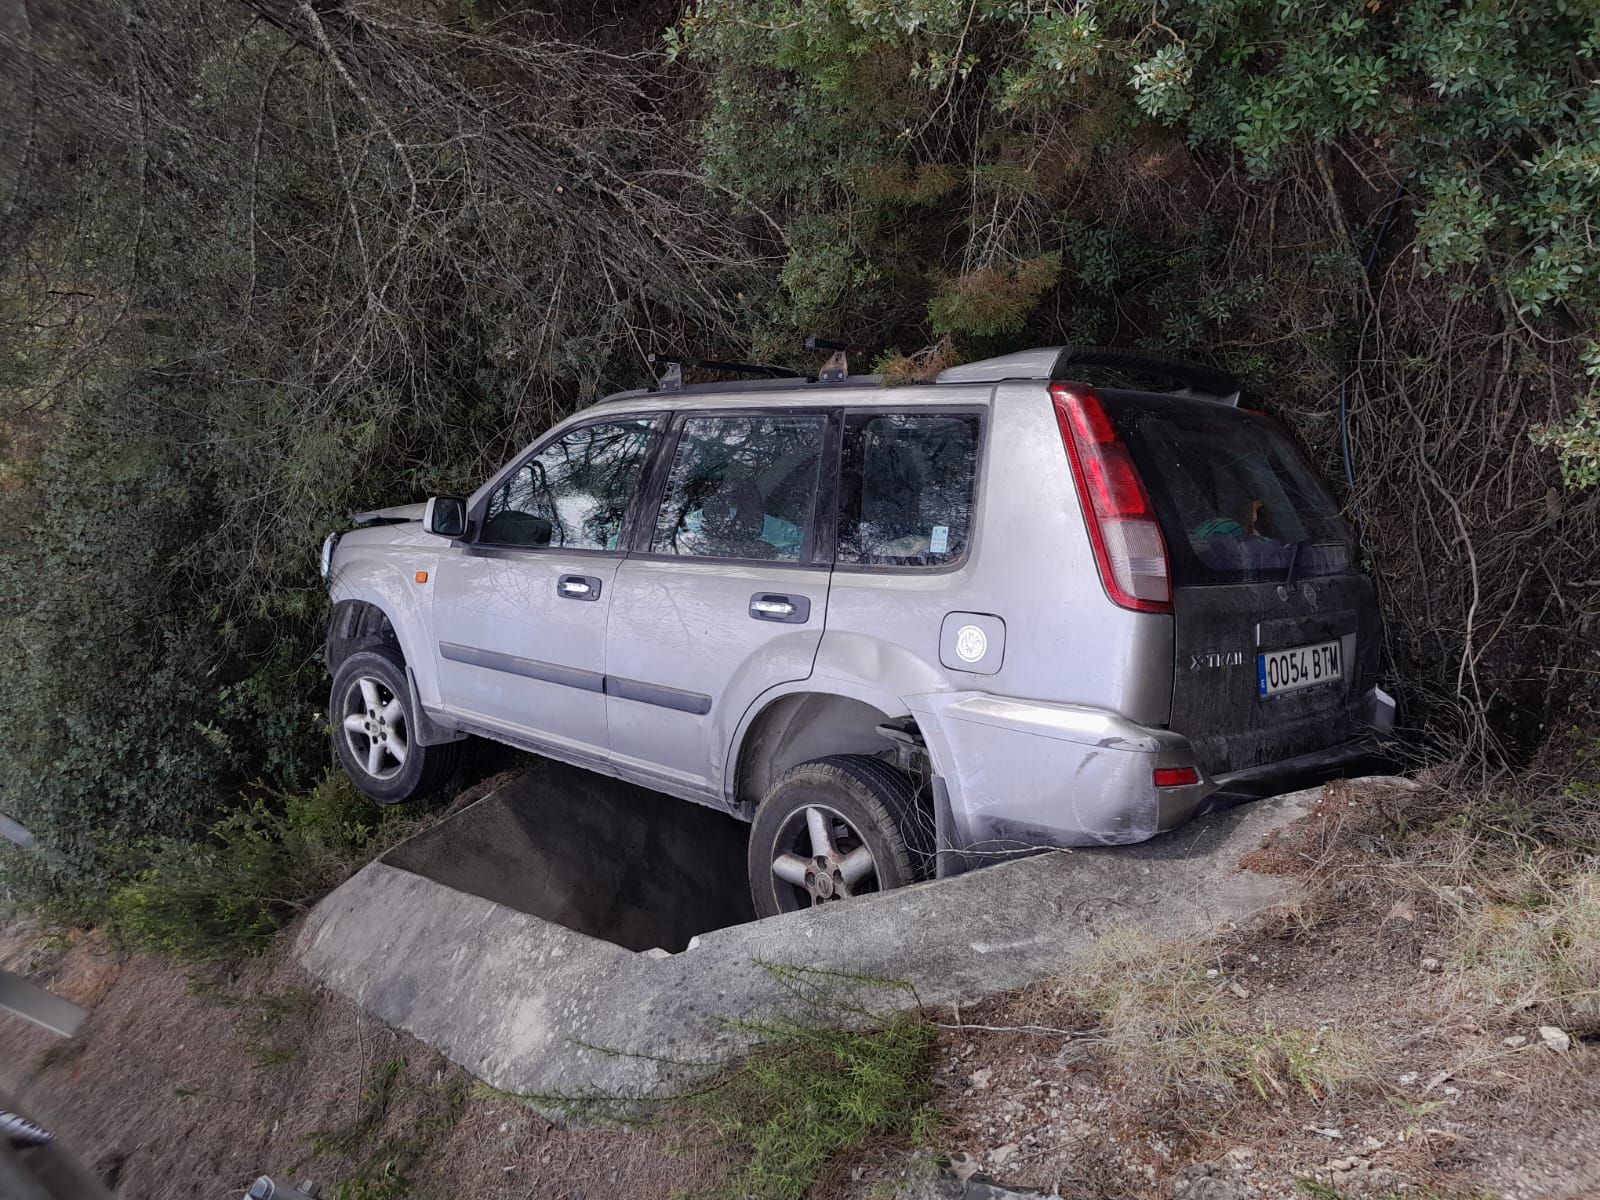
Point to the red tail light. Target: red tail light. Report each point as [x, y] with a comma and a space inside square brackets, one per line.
[1127, 540]
[1176, 776]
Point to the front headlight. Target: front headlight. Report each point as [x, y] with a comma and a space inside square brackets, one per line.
[328, 545]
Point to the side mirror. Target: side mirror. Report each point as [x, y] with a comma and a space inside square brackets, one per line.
[446, 516]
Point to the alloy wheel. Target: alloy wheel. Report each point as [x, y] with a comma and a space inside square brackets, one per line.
[374, 725]
[822, 857]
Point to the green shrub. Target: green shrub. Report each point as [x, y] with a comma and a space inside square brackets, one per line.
[812, 1092]
[228, 895]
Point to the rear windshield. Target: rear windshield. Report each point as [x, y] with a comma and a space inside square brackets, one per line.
[1235, 498]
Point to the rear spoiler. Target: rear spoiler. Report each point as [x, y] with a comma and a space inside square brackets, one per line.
[1199, 381]
[1055, 363]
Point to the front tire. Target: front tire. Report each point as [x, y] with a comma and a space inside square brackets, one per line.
[372, 724]
[833, 828]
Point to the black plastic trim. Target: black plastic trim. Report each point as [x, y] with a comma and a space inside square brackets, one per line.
[530, 668]
[658, 694]
[575, 677]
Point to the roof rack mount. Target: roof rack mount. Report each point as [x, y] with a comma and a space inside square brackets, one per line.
[837, 368]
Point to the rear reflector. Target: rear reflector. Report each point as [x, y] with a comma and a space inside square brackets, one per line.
[1176, 776]
[1128, 546]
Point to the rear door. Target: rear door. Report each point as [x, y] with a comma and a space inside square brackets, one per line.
[1274, 627]
[725, 594]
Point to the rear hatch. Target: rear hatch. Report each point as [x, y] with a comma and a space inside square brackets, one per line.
[1275, 629]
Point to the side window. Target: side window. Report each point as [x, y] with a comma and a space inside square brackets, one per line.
[574, 493]
[741, 487]
[905, 490]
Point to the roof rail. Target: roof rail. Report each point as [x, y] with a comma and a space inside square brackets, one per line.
[671, 379]
[1056, 362]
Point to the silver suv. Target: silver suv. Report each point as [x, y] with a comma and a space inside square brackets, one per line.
[898, 630]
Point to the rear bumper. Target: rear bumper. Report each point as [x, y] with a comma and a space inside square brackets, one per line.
[1020, 775]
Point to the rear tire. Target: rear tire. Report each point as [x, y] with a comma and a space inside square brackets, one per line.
[833, 828]
[371, 726]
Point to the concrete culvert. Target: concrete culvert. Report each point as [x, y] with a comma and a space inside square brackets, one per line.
[502, 936]
[616, 862]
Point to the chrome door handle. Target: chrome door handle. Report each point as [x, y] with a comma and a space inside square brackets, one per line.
[578, 587]
[773, 606]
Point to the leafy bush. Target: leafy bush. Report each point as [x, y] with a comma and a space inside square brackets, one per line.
[228, 895]
[1489, 104]
[812, 1092]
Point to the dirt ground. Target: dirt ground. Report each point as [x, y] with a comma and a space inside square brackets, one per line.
[191, 1081]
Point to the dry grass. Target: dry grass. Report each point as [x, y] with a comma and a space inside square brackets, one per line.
[1528, 940]
[1170, 1022]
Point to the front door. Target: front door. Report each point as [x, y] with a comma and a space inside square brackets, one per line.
[725, 598]
[520, 612]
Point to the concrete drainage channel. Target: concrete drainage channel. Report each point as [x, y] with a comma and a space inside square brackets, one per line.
[568, 935]
[628, 866]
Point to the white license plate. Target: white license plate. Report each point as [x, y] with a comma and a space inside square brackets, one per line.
[1279, 671]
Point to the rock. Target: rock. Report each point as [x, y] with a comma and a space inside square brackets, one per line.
[1240, 1158]
[1238, 989]
[980, 1078]
[1404, 909]
[1515, 1040]
[963, 1166]
[1555, 1039]
[982, 1188]
[1429, 963]
[1001, 1155]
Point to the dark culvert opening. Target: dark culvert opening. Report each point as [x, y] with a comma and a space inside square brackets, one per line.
[601, 857]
